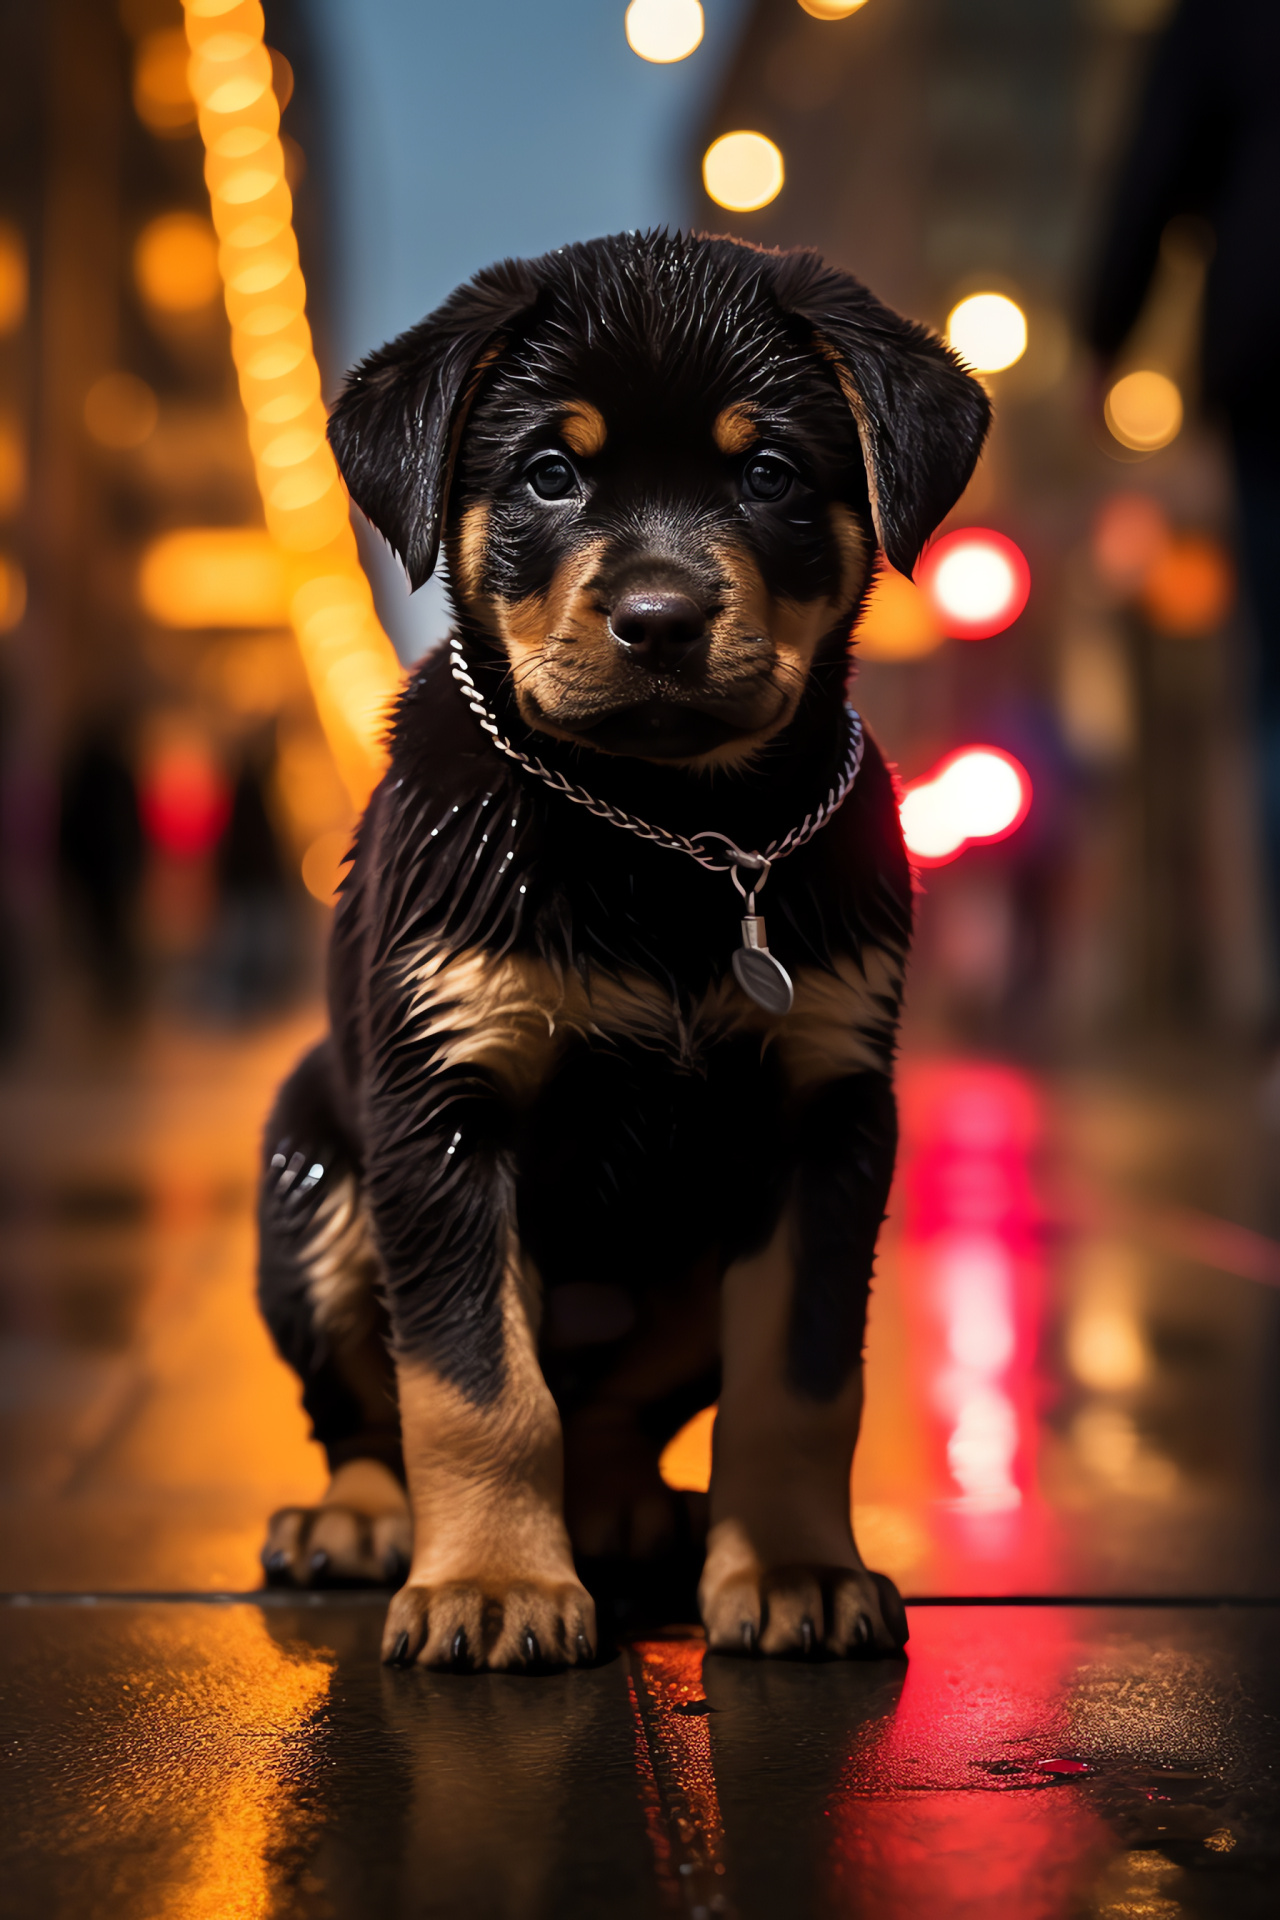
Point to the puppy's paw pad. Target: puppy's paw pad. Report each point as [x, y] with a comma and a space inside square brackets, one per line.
[517, 1626]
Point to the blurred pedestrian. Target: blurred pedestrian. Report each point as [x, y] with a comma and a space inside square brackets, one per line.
[1207, 144]
[100, 849]
[255, 958]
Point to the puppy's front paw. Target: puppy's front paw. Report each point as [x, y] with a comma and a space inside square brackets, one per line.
[505, 1626]
[798, 1611]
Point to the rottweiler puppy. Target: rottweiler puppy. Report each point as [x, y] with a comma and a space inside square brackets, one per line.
[586, 1148]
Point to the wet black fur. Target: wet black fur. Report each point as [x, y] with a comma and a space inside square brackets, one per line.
[630, 1163]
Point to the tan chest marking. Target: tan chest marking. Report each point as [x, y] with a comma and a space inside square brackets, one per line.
[511, 1017]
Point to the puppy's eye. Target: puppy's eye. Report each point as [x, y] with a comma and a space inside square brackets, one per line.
[552, 478]
[765, 478]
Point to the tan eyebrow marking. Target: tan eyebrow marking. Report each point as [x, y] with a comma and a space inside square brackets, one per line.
[734, 429]
[583, 428]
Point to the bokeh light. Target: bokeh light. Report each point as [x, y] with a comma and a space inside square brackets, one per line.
[1105, 1347]
[1143, 411]
[664, 30]
[988, 331]
[1189, 589]
[351, 666]
[898, 621]
[1130, 532]
[325, 862]
[975, 796]
[161, 96]
[120, 411]
[175, 263]
[13, 278]
[13, 593]
[13, 467]
[742, 171]
[215, 577]
[183, 797]
[832, 9]
[977, 582]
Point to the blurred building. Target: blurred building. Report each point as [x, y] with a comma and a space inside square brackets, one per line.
[145, 617]
[941, 148]
[163, 604]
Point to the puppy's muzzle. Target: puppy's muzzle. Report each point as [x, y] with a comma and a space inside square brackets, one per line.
[662, 630]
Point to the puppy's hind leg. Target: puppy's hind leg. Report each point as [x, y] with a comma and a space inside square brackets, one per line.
[318, 1290]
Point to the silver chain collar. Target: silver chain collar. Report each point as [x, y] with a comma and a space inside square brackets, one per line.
[756, 863]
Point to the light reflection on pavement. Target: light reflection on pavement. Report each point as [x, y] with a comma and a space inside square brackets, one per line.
[1071, 1353]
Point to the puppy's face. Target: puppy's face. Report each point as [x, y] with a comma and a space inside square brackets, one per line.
[658, 460]
[660, 540]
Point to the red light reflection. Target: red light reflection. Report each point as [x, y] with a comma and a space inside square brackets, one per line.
[973, 1278]
[986, 1702]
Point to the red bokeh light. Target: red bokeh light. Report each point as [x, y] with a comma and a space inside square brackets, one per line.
[976, 581]
[973, 797]
[184, 803]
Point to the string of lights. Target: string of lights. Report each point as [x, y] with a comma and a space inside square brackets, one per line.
[350, 663]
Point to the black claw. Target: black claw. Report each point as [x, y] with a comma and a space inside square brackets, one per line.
[530, 1647]
[584, 1648]
[806, 1638]
[861, 1630]
[400, 1651]
[275, 1563]
[892, 1611]
[458, 1651]
[749, 1636]
[319, 1564]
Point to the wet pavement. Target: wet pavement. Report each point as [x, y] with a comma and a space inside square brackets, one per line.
[1070, 1407]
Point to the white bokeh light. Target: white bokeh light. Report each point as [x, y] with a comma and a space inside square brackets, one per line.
[664, 30]
[974, 582]
[989, 331]
[980, 794]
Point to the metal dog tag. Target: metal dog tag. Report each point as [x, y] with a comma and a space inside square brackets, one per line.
[761, 977]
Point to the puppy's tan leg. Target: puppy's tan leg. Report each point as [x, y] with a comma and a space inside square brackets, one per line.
[492, 1582]
[782, 1573]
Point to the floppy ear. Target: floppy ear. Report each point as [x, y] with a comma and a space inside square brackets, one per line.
[395, 427]
[921, 418]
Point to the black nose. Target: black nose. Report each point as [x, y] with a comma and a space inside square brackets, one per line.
[661, 629]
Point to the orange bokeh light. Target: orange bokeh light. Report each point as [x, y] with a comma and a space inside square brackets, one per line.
[1189, 590]
[161, 96]
[175, 263]
[1130, 533]
[898, 621]
[215, 577]
[350, 663]
[13, 278]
